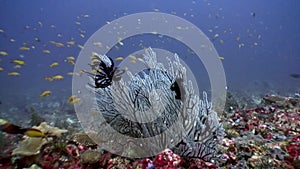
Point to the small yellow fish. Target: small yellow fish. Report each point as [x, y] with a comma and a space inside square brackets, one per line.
[13, 74]
[140, 59]
[10, 128]
[24, 48]
[57, 44]
[119, 58]
[221, 58]
[49, 79]
[54, 64]
[73, 74]
[95, 61]
[99, 44]
[45, 93]
[70, 58]
[19, 62]
[72, 62]
[1, 31]
[132, 57]
[73, 99]
[17, 66]
[47, 51]
[121, 43]
[32, 132]
[1, 69]
[3, 122]
[57, 77]
[71, 43]
[76, 100]
[80, 46]
[3, 53]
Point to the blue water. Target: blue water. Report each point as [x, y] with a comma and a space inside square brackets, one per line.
[273, 26]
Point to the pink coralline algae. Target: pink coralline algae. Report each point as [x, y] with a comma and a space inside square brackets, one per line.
[119, 163]
[294, 153]
[143, 164]
[167, 160]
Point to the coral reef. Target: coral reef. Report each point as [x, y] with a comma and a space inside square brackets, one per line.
[167, 159]
[264, 136]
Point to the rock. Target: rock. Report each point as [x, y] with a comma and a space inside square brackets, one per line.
[82, 139]
[30, 146]
[90, 157]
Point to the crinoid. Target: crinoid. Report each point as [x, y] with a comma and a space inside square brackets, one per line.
[105, 70]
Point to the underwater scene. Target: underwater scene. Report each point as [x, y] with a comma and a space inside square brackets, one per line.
[195, 84]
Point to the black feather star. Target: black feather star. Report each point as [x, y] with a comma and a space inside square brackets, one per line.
[106, 73]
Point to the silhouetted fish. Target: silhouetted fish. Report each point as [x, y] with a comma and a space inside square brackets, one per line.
[295, 75]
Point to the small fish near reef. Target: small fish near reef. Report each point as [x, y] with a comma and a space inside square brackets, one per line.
[45, 93]
[295, 75]
[54, 64]
[10, 128]
[3, 53]
[18, 61]
[13, 74]
[57, 77]
[46, 51]
[73, 100]
[24, 48]
[48, 79]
